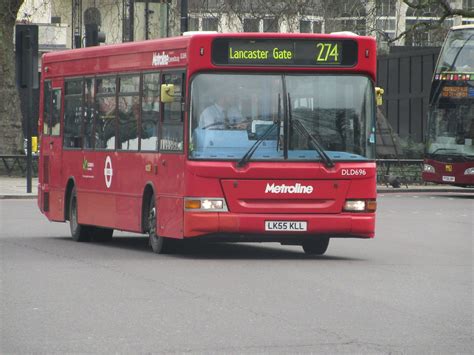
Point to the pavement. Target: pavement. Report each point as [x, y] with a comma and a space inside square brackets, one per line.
[15, 188]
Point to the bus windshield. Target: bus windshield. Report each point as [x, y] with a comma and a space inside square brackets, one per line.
[296, 117]
[451, 112]
[451, 128]
[458, 52]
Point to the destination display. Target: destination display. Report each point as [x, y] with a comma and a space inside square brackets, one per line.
[284, 52]
[455, 91]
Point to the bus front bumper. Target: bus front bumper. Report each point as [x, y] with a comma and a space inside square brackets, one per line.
[344, 225]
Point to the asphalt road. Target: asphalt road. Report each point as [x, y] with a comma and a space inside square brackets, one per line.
[409, 290]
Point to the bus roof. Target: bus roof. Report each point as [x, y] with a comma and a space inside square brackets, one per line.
[177, 42]
[196, 51]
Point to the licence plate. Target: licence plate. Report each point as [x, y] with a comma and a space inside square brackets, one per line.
[449, 178]
[283, 226]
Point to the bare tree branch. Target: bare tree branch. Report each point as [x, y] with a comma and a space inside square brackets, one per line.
[446, 11]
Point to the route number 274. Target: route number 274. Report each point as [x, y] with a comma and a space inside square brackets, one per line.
[327, 52]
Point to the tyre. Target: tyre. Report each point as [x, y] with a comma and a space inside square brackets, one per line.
[159, 245]
[79, 232]
[317, 246]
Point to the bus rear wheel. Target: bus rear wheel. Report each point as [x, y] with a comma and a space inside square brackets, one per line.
[317, 246]
[79, 232]
[159, 245]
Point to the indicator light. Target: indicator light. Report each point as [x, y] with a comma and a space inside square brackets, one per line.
[371, 206]
[192, 204]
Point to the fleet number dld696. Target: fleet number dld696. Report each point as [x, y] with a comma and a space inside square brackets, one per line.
[353, 172]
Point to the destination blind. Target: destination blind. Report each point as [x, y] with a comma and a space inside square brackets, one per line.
[284, 52]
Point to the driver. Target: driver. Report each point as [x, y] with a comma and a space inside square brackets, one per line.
[222, 114]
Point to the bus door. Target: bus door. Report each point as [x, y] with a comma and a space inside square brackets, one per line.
[170, 184]
[51, 149]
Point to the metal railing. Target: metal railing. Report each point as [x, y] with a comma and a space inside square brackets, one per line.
[397, 172]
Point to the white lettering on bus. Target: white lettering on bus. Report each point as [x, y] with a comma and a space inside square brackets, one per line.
[353, 172]
[166, 59]
[108, 172]
[160, 59]
[288, 189]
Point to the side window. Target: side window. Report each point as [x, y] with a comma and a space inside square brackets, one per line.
[56, 113]
[128, 112]
[171, 135]
[46, 107]
[150, 111]
[73, 113]
[105, 122]
[89, 113]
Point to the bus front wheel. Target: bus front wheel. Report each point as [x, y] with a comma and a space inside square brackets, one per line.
[159, 245]
[317, 246]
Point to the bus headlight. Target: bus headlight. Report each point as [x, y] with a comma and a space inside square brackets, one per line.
[360, 206]
[469, 171]
[427, 168]
[204, 204]
[354, 206]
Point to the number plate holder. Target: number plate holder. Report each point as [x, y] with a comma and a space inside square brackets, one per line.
[449, 178]
[286, 226]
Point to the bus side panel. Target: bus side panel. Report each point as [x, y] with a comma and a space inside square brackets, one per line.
[170, 217]
[52, 152]
[96, 201]
[70, 168]
[131, 171]
[110, 187]
[170, 187]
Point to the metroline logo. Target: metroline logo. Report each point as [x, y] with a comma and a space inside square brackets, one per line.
[288, 189]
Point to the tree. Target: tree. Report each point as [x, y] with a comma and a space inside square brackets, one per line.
[444, 10]
[10, 112]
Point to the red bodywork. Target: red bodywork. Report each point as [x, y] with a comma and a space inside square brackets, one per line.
[450, 173]
[172, 177]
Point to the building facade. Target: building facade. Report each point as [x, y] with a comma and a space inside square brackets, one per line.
[63, 24]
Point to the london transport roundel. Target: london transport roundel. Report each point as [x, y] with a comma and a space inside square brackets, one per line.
[108, 172]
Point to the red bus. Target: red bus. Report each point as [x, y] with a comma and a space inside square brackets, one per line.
[127, 140]
[449, 144]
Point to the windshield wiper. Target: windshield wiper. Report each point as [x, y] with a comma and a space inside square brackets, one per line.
[257, 143]
[446, 149]
[265, 134]
[279, 122]
[324, 157]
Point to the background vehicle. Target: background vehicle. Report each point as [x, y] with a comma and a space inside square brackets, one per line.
[449, 150]
[122, 147]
